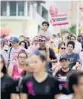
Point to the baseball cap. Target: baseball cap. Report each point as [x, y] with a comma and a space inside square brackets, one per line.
[63, 57]
[14, 40]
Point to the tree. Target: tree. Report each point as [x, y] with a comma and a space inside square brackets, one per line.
[71, 30]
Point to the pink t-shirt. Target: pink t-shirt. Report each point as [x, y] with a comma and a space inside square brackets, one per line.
[16, 74]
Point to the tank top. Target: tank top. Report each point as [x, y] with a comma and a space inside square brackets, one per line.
[16, 74]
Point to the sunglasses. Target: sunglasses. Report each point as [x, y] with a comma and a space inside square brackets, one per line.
[22, 57]
[41, 40]
[35, 40]
[54, 62]
[5, 50]
[63, 48]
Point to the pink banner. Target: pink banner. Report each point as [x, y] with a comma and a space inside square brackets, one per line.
[56, 18]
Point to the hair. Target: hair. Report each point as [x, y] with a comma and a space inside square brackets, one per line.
[10, 45]
[4, 70]
[72, 43]
[45, 22]
[22, 36]
[62, 43]
[26, 47]
[40, 49]
[73, 79]
[54, 35]
[28, 43]
[82, 46]
[73, 36]
[69, 37]
[23, 51]
[38, 53]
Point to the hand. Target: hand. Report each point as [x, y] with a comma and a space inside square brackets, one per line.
[55, 68]
[78, 67]
[55, 65]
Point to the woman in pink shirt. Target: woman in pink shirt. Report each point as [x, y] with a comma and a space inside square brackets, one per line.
[16, 71]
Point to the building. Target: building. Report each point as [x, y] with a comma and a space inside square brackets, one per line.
[25, 17]
[22, 17]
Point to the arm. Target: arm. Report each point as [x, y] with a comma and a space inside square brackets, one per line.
[55, 67]
[24, 91]
[57, 90]
[77, 62]
[48, 58]
[47, 52]
[77, 58]
[52, 54]
[10, 70]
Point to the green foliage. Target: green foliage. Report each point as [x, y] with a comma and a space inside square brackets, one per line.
[65, 31]
[70, 30]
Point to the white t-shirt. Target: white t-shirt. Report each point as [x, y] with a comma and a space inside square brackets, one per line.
[66, 96]
[78, 47]
[81, 55]
[46, 34]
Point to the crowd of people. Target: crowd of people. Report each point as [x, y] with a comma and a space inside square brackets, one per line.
[43, 67]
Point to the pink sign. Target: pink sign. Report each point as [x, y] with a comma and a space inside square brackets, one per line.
[81, 8]
[5, 32]
[81, 15]
[57, 19]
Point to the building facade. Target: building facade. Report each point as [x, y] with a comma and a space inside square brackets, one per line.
[22, 17]
[25, 17]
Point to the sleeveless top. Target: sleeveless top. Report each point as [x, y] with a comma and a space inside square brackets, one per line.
[16, 74]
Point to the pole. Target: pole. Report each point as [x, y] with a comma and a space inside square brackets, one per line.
[77, 21]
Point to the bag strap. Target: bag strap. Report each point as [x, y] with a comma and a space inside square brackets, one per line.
[9, 57]
[9, 53]
[19, 86]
